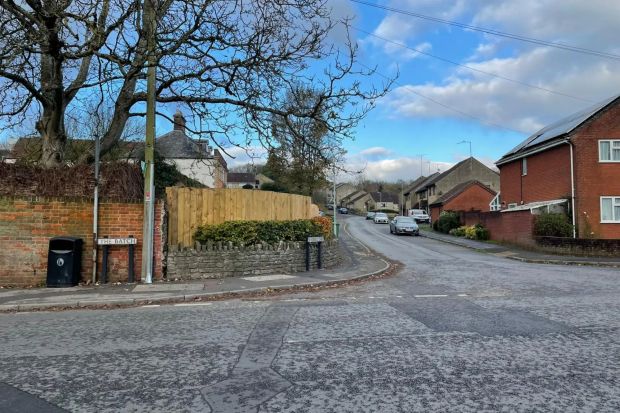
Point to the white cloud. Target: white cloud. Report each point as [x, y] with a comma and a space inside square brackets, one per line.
[587, 24]
[378, 163]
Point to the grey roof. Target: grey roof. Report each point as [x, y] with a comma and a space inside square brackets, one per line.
[560, 128]
[414, 185]
[241, 177]
[458, 189]
[359, 196]
[177, 145]
[433, 179]
[424, 183]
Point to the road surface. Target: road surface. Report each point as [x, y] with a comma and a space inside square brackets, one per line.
[455, 330]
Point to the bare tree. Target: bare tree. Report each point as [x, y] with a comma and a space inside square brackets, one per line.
[230, 63]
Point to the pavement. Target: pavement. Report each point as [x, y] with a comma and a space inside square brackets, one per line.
[522, 255]
[359, 262]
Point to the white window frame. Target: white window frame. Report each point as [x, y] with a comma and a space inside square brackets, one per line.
[524, 166]
[612, 143]
[615, 201]
[495, 204]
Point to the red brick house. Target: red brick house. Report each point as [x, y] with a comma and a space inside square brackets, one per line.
[468, 196]
[574, 163]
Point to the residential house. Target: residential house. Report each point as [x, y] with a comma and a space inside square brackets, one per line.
[194, 159]
[467, 196]
[357, 201]
[247, 180]
[575, 163]
[343, 190]
[410, 196]
[467, 170]
[383, 201]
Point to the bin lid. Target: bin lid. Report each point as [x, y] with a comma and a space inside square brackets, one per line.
[67, 238]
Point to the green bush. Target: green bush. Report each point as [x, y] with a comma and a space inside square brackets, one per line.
[273, 187]
[458, 232]
[475, 232]
[254, 232]
[448, 220]
[552, 225]
[482, 233]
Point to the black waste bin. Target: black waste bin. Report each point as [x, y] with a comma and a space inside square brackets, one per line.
[64, 260]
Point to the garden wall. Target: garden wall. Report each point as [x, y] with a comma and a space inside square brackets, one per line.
[27, 224]
[580, 246]
[512, 227]
[225, 260]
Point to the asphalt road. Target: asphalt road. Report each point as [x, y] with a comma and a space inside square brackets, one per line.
[455, 330]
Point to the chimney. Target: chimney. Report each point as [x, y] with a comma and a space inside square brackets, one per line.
[179, 121]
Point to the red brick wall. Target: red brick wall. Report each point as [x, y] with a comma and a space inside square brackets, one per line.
[548, 177]
[26, 225]
[513, 227]
[594, 179]
[473, 198]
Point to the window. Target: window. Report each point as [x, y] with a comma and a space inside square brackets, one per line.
[610, 209]
[609, 151]
[496, 203]
[524, 166]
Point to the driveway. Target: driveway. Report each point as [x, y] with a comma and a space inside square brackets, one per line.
[455, 330]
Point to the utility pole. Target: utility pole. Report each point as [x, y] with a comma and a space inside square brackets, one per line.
[421, 156]
[335, 225]
[150, 24]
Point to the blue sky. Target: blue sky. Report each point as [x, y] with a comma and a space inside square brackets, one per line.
[405, 125]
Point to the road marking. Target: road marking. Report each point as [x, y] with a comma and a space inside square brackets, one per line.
[461, 295]
[430, 295]
[190, 304]
[150, 306]
[274, 277]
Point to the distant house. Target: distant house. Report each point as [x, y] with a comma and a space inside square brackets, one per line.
[467, 170]
[572, 164]
[383, 200]
[357, 200]
[468, 196]
[194, 159]
[246, 180]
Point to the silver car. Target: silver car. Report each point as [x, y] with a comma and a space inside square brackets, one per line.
[381, 218]
[404, 225]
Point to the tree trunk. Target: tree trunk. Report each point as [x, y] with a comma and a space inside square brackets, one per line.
[51, 128]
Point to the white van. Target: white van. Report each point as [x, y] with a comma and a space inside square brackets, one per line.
[419, 215]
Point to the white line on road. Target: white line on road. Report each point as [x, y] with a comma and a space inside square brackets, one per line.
[430, 295]
[461, 295]
[150, 306]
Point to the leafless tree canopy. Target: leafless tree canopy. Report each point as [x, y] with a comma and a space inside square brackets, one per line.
[230, 63]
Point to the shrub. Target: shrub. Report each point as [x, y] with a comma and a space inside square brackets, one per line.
[552, 225]
[326, 225]
[448, 220]
[482, 233]
[273, 187]
[458, 232]
[254, 232]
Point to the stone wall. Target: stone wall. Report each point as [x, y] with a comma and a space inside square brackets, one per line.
[580, 246]
[225, 260]
[28, 223]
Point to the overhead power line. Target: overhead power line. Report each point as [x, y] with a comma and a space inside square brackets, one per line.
[470, 67]
[563, 46]
[435, 101]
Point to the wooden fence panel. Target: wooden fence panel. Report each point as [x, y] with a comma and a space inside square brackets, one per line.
[189, 208]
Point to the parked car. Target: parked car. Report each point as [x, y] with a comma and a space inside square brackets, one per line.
[343, 210]
[381, 218]
[404, 225]
[321, 213]
[419, 215]
[370, 215]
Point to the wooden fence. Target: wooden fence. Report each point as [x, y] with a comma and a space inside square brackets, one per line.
[189, 208]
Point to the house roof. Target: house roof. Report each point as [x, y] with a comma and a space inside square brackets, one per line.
[355, 196]
[433, 179]
[414, 185]
[177, 145]
[534, 205]
[423, 183]
[556, 130]
[385, 197]
[460, 188]
[240, 177]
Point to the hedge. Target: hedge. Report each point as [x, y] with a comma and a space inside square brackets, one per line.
[552, 225]
[255, 232]
[448, 220]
